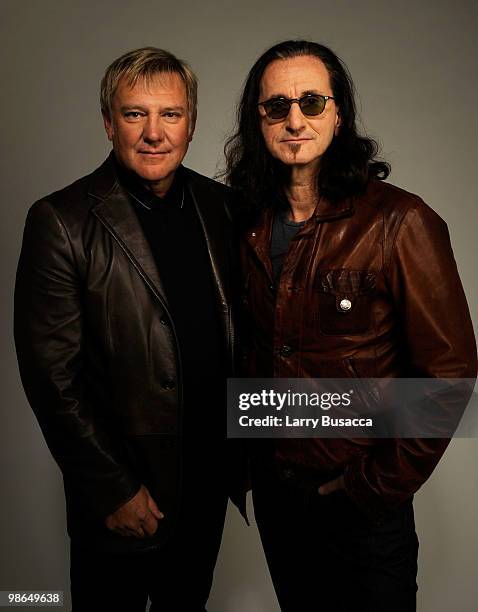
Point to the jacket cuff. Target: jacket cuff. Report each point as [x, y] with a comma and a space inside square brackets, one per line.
[122, 498]
[106, 496]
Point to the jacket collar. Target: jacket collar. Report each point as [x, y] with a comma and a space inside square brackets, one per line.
[104, 179]
[259, 236]
[115, 211]
[328, 211]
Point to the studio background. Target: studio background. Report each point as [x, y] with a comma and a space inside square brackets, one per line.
[414, 65]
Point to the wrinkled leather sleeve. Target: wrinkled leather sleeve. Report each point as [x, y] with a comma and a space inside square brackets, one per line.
[48, 337]
[435, 319]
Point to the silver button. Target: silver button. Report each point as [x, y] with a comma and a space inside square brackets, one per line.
[345, 304]
[253, 234]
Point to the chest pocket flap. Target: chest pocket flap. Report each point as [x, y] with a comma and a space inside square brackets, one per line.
[345, 301]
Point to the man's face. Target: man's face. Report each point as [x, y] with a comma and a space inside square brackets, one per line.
[150, 127]
[298, 140]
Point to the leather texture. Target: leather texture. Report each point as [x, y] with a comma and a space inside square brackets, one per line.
[370, 289]
[97, 348]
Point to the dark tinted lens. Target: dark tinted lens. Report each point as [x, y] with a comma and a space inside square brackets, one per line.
[312, 105]
[277, 109]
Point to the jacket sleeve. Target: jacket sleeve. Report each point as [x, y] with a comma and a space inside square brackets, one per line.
[49, 327]
[438, 332]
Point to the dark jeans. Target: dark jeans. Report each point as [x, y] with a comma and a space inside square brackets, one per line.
[176, 577]
[325, 555]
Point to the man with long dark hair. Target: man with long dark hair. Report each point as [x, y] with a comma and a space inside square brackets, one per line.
[344, 275]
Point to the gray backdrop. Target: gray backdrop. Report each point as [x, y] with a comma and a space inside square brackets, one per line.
[414, 64]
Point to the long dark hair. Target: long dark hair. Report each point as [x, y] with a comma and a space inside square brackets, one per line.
[345, 168]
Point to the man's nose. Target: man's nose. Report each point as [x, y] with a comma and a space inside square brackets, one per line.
[295, 120]
[153, 130]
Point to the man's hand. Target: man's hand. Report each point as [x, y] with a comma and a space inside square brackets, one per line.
[137, 517]
[333, 485]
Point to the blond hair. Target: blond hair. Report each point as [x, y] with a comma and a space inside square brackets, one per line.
[146, 63]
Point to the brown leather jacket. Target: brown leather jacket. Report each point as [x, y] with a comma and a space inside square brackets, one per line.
[97, 348]
[389, 254]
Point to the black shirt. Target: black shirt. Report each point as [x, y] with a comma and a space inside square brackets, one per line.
[283, 230]
[176, 238]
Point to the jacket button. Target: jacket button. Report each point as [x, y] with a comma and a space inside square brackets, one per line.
[286, 351]
[345, 305]
[288, 474]
[168, 384]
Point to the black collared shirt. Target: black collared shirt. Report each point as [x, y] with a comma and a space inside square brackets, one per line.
[176, 238]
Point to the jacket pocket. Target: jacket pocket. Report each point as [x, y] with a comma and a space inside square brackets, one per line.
[345, 301]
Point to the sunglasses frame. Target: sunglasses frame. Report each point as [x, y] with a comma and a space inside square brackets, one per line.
[291, 101]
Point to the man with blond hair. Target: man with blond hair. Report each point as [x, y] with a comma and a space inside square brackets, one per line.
[124, 340]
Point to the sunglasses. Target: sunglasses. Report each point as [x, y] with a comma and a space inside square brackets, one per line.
[310, 105]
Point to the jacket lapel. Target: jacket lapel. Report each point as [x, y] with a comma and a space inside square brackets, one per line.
[115, 211]
[214, 216]
[211, 211]
[259, 239]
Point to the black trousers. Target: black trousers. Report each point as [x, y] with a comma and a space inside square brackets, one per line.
[176, 577]
[325, 555]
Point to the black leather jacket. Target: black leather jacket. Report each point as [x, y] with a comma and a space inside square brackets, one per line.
[97, 348]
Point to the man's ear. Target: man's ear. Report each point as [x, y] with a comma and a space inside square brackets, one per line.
[192, 126]
[108, 126]
[338, 123]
